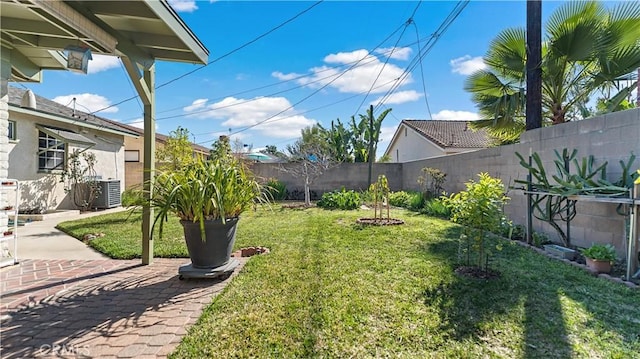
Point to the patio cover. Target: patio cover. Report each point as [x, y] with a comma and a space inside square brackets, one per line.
[34, 33]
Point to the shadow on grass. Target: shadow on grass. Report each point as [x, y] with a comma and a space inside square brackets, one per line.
[531, 292]
[465, 306]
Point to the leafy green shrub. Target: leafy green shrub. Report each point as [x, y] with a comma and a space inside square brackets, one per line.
[436, 207]
[519, 232]
[276, 189]
[340, 200]
[400, 199]
[132, 197]
[479, 210]
[540, 239]
[600, 252]
[416, 202]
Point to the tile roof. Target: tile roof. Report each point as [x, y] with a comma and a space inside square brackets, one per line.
[450, 134]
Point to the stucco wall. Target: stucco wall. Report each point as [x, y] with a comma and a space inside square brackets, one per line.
[44, 190]
[409, 145]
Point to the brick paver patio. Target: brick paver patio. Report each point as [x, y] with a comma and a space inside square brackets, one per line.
[99, 308]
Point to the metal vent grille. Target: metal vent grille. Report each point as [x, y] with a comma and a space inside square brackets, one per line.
[109, 194]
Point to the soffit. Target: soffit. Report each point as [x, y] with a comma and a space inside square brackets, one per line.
[36, 31]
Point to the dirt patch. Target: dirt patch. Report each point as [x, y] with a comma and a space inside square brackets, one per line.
[298, 205]
[250, 251]
[380, 221]
[476, 272]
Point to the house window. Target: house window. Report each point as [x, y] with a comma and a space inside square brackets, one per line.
[131, 156]
[51, 152]
[12, 131]
[405, 132]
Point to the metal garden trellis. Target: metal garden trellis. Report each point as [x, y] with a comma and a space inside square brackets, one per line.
[564, 196]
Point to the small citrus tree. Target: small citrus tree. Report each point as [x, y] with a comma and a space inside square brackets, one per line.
[380, 192]
[479, 210]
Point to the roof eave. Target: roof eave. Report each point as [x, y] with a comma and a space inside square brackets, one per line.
[166, 13]
[67, 120]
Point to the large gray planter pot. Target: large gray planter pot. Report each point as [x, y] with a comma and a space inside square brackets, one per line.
[215, 251]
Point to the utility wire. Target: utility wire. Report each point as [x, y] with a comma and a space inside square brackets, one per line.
[222, 56]
[363, 63]
[272, 119]
[424, 86]
[426, 48]
[131, 86]
[407, 23]
[320, 89]
[249, 100]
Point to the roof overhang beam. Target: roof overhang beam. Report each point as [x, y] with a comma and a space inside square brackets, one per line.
[66, 18]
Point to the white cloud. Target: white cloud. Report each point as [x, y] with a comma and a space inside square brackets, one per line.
[102, 63]
[466, 65]
[183, 5]
[271, 116]
[196, 105]
[397, 98]
[448, 115]
[139, 123]
[398, 53]
[285, 77]
[358, 79]
[386, 133]
[87, 102]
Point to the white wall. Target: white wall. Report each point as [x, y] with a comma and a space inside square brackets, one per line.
[410, 145]
[44, 190]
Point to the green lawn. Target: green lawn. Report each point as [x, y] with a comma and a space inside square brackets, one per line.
[332, 289]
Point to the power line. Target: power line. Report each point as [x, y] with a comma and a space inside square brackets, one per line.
[321, 88]
[222, 56]
[427, 48]
[424, 86]
[309, 75]
[272, 119]
[131, 85]
[409, 21]
[246, 101]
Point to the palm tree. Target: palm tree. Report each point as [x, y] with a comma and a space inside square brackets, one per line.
[587, 48]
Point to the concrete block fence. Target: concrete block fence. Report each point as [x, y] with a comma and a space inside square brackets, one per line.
[612, 138]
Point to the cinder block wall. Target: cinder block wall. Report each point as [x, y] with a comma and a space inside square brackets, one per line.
[612, 137]
[347, 175]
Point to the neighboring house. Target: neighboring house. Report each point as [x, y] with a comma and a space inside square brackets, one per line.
[420, 139]
[42, 134]
[134, 154]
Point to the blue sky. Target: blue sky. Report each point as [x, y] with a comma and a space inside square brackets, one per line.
[276, 73]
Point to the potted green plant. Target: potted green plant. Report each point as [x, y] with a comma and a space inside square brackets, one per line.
[208, 196]
[599, 257]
